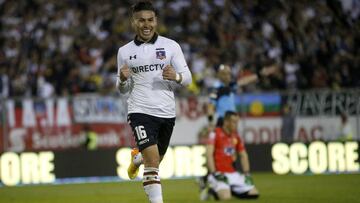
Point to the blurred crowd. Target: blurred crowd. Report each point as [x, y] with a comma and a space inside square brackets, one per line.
[57, 48]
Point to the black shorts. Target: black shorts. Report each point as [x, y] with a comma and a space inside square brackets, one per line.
[149, 130]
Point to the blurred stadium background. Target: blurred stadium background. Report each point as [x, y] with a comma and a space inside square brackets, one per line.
[62, 120]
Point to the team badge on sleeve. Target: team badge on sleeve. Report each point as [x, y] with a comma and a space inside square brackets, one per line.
[160, 53]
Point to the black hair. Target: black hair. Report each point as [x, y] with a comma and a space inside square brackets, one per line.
[228, 114]
[142, 6]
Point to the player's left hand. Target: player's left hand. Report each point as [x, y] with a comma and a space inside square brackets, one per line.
[249, 180]
[169, 73]
[220, 177]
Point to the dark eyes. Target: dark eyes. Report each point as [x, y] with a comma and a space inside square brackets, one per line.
[143, 20]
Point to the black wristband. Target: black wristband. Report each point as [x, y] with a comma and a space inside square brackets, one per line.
[210, 118]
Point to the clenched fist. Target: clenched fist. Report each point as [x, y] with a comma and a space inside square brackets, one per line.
[124, 73]
[169, 73]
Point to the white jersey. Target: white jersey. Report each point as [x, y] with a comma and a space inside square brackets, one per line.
[148, 92]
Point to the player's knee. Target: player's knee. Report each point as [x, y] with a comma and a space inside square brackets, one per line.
[224, 195]
[254, 191]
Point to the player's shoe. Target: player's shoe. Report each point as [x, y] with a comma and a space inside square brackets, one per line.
[206, 192]
[133, 169]
[204, 188]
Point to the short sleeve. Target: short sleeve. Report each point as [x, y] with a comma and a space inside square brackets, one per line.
[211, 138]
[240, 147]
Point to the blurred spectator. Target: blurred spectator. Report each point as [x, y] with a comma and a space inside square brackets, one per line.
[91, 138]
[73, 43]
[4, 83]
[44, 87]
[287, 125]
[291, 67]
[346, 131]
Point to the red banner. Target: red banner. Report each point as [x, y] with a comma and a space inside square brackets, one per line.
[49, 125]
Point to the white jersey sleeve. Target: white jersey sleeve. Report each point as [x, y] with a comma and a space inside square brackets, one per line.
[123, 86]
[179, 63]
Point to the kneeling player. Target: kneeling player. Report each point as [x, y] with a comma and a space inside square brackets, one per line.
[222, 147]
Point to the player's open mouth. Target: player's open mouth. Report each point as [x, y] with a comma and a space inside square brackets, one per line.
[146, 31]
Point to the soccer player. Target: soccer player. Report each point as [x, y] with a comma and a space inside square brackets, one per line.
[150, 67]
[222, 98]
[223, 146]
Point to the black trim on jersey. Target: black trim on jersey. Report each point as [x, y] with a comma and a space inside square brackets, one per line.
[152, 40]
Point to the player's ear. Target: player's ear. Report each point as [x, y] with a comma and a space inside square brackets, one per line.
[156, 19]
[156, 22]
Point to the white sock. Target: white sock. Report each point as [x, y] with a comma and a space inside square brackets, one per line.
[152, 185]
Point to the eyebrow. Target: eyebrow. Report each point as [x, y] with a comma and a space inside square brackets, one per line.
[151, 18]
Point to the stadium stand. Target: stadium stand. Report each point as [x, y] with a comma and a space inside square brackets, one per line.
[51, 47]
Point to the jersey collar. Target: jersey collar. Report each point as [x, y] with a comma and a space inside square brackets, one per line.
[152, 40]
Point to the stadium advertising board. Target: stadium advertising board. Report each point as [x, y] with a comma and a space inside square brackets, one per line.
[179, 162]
[46, 167]
[26, 168]
[315, 115]
[306, 129]
[57, 124]
[317, 157]
[89, 109]
[267, 130]
[324, 103]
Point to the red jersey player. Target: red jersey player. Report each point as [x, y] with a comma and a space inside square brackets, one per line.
[222, 148]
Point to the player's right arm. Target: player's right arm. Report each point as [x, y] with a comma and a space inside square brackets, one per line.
[123, 82]
[266, 71]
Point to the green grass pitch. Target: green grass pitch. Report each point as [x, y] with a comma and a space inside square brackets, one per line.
[273, 188]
